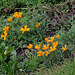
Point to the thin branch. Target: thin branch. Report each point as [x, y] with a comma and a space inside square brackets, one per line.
[59, 5]
[22, 8]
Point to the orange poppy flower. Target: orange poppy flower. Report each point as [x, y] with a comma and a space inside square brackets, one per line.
[10, 19]
[45, 47]
[37, 25]
[55, 44]
[5, 35]
[46, 39]
[58, 36]
[46, 53]
[52, 49]
[24, 29]
[64, 48]
[30, 46]
[51, 39]
[20, 14]
[37, 47]
[6, 28]
[17, 15]
[40, 53]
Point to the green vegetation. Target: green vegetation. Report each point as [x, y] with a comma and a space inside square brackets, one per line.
[53, 17]
[68, 68]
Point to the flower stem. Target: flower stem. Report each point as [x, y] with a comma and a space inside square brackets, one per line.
[39, 34]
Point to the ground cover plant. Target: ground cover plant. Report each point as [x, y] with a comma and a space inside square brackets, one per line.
[37, 37]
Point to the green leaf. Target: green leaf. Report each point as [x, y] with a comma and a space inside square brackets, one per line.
[10, 50]
[2, 49]
[3, 64]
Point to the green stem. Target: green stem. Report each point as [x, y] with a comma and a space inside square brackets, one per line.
[39, 34]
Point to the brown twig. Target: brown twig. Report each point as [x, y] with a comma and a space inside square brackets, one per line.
[22, 8]
[59, 5]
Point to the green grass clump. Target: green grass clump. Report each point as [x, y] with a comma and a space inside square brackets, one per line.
[67, 68]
